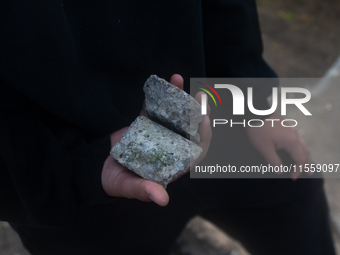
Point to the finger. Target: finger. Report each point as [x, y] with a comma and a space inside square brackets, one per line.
[308, 159]
[177, 80]
[126, 184]
[298, 155]
[198, 98]
[269, 153]
[295, 175]
[307, 151]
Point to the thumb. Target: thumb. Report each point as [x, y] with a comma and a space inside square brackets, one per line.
[118, 181]
[145, 190]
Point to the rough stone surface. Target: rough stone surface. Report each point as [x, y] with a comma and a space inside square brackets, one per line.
[172, 107]
[154, 152]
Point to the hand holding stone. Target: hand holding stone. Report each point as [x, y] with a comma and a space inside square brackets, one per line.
[118, 181]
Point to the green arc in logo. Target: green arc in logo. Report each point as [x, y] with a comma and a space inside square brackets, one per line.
[206, 91]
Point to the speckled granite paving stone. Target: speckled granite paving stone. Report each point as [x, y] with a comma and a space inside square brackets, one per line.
[154, 152]
[172, 107]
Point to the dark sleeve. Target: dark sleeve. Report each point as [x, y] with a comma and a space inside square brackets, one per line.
[49, 169]
[233, 45]
[55, 119]
[42, 60]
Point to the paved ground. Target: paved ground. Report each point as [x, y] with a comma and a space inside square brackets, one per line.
[9, 241]
[301, 39]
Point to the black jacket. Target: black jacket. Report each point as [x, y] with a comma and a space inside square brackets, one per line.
[72, 73]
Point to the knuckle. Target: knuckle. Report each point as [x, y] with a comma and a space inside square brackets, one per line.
[117, 184]
[139, 191]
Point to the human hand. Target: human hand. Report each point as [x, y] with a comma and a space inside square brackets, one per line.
[118, 181]
[268, 140]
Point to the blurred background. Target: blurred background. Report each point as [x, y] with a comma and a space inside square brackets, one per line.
[301, 39]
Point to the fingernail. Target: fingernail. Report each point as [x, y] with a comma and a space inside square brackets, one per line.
[151, 197]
